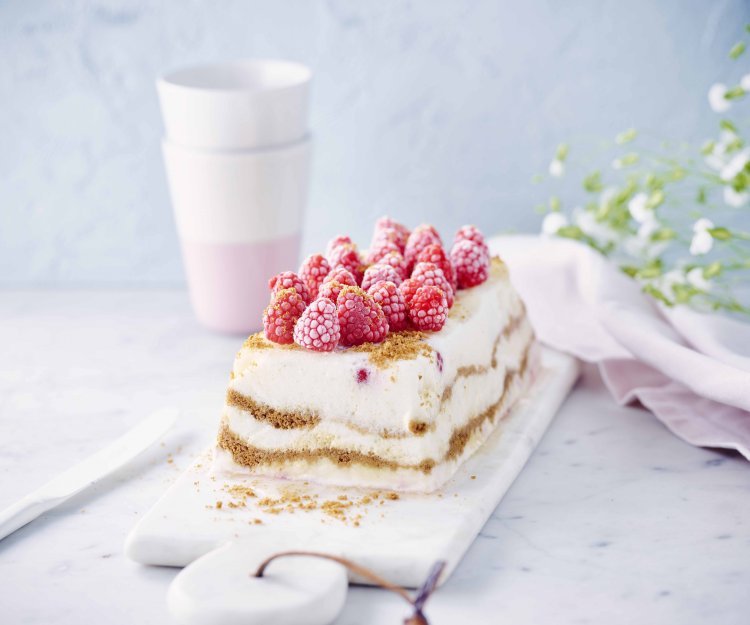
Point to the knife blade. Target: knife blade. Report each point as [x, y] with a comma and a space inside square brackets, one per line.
[87, 472]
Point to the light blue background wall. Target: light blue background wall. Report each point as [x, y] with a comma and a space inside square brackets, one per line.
[437, 111]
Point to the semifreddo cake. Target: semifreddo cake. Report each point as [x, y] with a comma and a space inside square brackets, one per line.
[391, 387]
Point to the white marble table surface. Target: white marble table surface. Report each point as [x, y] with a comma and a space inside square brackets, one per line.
[613, 520]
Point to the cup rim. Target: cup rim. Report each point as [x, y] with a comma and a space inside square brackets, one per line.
[302, 142]
[216, 77]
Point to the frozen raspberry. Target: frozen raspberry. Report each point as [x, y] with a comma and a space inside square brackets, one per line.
[346, 256]
[469, 233]
[431, 274]
[336, 280]
[362, 375]
[390, 299]
[318, 328]
[380, 248]
[281, 314]
[331, 289]
[313, 271]
[289, 280]
[339, 274]
[408, 289]
[472, 263]
[436, 254]
[395, 260]
[418, 240]
[380, 272]
[362, 319]
[429, 308]
[341, 239]
[386, 224]
[429, 228]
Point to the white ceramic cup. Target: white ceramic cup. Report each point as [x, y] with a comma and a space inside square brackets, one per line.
[240, 105]
[239, 216]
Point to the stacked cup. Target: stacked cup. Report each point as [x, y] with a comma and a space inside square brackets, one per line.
[237, 155]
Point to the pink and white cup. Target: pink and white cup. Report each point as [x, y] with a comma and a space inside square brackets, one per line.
[238, 196]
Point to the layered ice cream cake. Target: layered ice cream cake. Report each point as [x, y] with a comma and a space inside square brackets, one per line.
[382, 371]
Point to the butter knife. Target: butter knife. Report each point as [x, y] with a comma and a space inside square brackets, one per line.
[87, 472]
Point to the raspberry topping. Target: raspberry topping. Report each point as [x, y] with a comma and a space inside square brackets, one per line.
[346, 256]
[313, 271]
[289, 280]
[408, 289]
[361, 318]
[341, 239]
[472, 263]
[388, 225]
[429, 308]
[469, 233]
[281, 314]
[318, 328]
[390, 299]
[431, 274]
[379, 272]
[380, 248]
[331, 289]
[436, 254]
[362, 375]
[336, 280]
[395, 260]
[418, 240]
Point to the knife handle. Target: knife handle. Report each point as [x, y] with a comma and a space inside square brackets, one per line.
[23, 511]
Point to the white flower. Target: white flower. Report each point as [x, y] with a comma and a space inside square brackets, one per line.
[638, 207]
[735, 165]
[648, 227]
[597, 230]
[716, 98]
[556, 168]
[702, 240]
[702, 243]
[745, 82]
[717, 158]
[553, 222]
[735, 199]
[696, 278]
[670, 279]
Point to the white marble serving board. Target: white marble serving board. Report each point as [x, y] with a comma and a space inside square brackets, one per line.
[398, 538]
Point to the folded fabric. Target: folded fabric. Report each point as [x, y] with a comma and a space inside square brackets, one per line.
[691, 370]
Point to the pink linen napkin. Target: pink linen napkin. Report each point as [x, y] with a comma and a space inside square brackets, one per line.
[691, 370]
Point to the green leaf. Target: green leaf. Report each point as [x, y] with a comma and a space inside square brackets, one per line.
[737, 50]
[725, 124]
[734, 93]
[537, 178]
[562, 152]
[540, 209]
[663, 234]
[593, 182]
[712, 270]
[554, 203]
[629, 270]
[631, 158]
[626, 137]
[657, 294]
[655, 199]
[684, 293]
[719, 233]
[708, 147]
[570, 232]
[701, 195]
